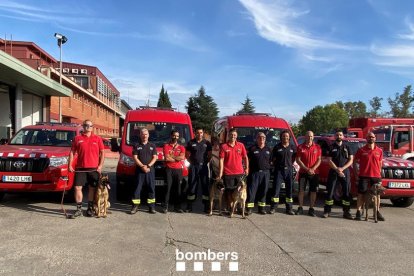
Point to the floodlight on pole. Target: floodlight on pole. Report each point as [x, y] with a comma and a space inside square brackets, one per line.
[61, 39]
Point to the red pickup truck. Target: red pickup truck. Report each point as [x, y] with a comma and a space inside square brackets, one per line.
[397, 173]
[36, 159]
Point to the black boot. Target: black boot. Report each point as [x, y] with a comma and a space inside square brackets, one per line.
[89, 211]
[262, 210]
[189, 208]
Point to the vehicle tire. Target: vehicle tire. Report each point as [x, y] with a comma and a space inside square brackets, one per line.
[2, 195]
[402, 201]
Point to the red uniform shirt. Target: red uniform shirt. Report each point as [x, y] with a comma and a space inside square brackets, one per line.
[88, 149]
[233, 157]
[369, 161]
[174, 151]
[309, 155]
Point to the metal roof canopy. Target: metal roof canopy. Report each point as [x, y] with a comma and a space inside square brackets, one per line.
[13, 71]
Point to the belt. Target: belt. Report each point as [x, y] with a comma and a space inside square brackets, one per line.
[283, 168]
[262, 170]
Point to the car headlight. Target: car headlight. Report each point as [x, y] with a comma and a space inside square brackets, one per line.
[58, 161]
[126, 160]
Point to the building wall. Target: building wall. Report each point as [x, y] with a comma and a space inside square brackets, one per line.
[88, 101]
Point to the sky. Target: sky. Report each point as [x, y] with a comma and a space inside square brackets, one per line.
[286, 56]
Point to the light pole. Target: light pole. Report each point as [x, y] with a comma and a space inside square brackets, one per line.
[61, 39]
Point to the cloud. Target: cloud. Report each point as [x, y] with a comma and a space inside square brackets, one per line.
[398, 55]
[409, 35]
[176, 35]
[57, 15]
[138, 90]
[277, 22]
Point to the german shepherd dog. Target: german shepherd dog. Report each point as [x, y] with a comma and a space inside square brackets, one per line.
[239, 196]
[216, 192]
[101, 200]
[373, 196]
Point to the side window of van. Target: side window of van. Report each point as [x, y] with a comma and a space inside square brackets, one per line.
[324, 146]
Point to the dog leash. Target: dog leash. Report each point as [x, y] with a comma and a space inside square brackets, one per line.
[69, 216]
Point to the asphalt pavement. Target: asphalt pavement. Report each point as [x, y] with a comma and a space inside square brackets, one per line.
[36, 239]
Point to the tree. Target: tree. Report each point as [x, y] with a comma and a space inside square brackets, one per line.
[375, 104]
[164, 99]
[401, 104]
[202, 110]
[247, 106]
[323, 119]
[295, 128]
[353, 109]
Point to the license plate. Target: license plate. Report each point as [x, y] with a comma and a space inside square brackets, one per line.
[17, 178]
[159, 182]
[399, 185]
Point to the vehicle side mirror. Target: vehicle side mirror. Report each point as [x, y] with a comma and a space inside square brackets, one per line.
[115, 147]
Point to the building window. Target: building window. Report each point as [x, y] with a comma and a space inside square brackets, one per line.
[82, 81]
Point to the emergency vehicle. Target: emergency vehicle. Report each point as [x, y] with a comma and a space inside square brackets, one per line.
[36, 159]
[397, 174]
[248, 125]
[394, 135]
[159, 122]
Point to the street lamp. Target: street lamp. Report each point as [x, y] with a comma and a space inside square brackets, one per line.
[61, 39]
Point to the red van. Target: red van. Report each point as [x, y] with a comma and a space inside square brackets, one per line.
[159, 122]
[248, 125]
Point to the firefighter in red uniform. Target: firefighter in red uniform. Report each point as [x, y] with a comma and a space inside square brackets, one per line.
[308, 158]
[174, 154]
[89, 149]
[232, 155]
[369, 158]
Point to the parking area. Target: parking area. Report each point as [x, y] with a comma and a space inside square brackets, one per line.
[36, 239]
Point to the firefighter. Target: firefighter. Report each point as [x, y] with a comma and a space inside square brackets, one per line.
[259, 160]
[145, 156]
[283, 157]
[308, 157]
[340, 159]
[198, 153]
[369, 158]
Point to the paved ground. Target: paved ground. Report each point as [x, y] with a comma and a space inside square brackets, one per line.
[36, 239]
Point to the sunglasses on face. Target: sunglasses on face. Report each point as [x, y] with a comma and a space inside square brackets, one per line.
[87, 126]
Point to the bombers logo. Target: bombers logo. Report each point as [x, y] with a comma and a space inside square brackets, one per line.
[19, 164]
[196, 261]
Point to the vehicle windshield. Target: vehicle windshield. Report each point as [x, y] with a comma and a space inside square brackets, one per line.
[383, 135]
[354, 145]
[247, 135]
[43, 137]
[159, 132]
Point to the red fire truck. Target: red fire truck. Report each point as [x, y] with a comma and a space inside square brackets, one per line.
[394, 135]
[159, 122]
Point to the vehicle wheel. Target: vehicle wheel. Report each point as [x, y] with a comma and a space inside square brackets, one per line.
[402, 201]
[2, 195]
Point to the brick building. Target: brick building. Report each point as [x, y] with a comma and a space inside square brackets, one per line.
[85, 92]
